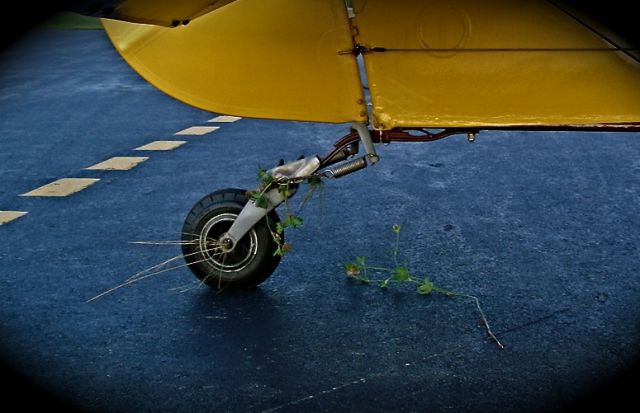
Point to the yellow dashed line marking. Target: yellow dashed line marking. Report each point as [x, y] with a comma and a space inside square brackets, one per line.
[118, 163]
[198, 130]
[67, 186]
[161, 146]
[8, 216]
[63, 187]
[224, 119]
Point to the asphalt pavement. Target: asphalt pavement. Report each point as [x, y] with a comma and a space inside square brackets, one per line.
[541, 227]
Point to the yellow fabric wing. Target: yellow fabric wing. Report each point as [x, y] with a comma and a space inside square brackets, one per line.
[469, 63]
[276, 59]
[168, 13]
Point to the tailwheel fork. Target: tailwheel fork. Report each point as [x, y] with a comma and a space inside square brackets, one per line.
[228, 238]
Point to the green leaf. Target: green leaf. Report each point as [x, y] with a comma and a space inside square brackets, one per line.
[360, 260]
[352, 270]
[285, 191]
[295, 221]
[426, 287]
[401, 274]
[384, 283]
[279, 228]
[289, 221]
[267, 180]
[355, 271]
[260, 200]
[252, 195]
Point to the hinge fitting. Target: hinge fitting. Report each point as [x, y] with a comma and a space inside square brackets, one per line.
[360, 50]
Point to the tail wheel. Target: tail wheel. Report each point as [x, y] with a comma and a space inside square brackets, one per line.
[251, 261]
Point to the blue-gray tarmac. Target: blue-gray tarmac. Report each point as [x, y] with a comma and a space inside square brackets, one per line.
[542, 227]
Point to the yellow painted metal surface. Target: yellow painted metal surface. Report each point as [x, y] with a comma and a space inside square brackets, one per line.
[274, 59]
[469, 63]
[169, 13]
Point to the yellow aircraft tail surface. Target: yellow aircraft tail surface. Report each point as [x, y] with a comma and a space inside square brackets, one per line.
[444, 63]
[273, 59]
[436, 64]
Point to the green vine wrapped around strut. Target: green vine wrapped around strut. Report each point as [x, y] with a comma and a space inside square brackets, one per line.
[287, 189]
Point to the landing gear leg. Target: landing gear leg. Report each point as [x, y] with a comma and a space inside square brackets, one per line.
[227, 239]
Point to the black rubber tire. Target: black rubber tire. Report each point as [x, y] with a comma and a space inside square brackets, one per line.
[252, 260]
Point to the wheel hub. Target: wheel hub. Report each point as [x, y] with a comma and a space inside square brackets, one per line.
[226, 244]
[219, 251]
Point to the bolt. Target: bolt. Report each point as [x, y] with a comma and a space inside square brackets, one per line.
[226, 244]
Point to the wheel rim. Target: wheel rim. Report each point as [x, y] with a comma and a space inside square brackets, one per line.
[233, 261]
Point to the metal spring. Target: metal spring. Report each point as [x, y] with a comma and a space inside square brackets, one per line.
[348, 167]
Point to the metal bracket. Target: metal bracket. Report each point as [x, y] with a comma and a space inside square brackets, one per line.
[294, 173]
[360, 50]
[251, 214]
[367, 142]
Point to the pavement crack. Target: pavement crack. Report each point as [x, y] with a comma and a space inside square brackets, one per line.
[359, 381]
[533, 322]
[313, 396]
